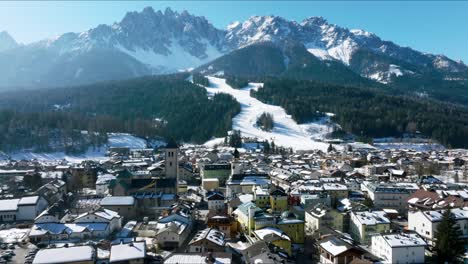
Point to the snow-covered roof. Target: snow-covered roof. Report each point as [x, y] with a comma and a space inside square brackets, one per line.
[211, 235]
[118, 200]
[403, 240]
[103, 213]
[262, 233]
[191, 258]
[9, 205]
[64, 255]
[28, 200]
[130, 251]
[335, 246]
[372, 218]
[59, 228]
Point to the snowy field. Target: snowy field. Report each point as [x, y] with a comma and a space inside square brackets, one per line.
[114, 140]
[286, 131]
[96, 154]
[125, 140]
[412, 146]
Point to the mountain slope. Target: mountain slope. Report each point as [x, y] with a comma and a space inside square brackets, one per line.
[369, 112]
[167, 106]
[7, 42]
[285, 132]
[143, 43]
[289, 60]
[155, 42]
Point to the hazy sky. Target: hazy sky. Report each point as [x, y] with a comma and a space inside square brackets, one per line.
[435, 27]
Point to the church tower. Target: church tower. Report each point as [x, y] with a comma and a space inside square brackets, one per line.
[172, 160]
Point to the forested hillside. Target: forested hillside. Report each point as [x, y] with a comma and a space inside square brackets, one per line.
[369, 112]
[165, 106]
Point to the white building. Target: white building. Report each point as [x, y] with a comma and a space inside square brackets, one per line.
[24, 209]
[399, 248]
[425, 222]
[391, 196]
[215, 201]
[79, 254]
[95, 224]
[102, 216]
[133, 252]
[173, 230]
[102, 183]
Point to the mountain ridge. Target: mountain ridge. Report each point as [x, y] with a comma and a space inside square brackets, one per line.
[156, 42]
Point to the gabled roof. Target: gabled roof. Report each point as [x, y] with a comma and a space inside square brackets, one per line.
[210, 234]
[130, 251]
[215, 196]
[64, 255]
[101, 212]
[9, 205]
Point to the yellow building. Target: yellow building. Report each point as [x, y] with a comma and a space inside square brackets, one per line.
[261, 198]
[364, 224]
[278, 201]
[293, 227]
[251, 218]
[322, 216]
[276, 237]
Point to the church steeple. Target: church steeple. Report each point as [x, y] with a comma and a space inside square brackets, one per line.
[172, 158]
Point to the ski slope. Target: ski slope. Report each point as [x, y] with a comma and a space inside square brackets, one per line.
[286, 131]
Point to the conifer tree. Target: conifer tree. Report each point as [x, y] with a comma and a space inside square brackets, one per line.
[448, 245]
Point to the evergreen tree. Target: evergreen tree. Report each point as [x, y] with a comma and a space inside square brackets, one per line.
[330, 148]
[235, 139]
[266, 147]
[448, 245]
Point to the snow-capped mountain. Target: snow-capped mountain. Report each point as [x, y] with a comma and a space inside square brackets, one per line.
[153, 42]
[331, 42]
[7, 42]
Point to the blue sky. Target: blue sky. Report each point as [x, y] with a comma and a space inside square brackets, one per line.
[435, 27]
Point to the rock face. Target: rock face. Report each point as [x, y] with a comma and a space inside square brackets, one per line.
[154, 42]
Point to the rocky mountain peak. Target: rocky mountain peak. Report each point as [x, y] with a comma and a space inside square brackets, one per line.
[7, 41]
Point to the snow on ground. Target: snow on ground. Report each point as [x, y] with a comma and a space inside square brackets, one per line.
[13, 235]
[97, 154]
[114, 140]
[120, 140]
[408, 145]
[286, 131]
[214, 142]
[177, 59]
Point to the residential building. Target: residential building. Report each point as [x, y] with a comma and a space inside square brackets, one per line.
[278, 200]
[22, 209]
[124, 205]
[391, 196]
[334, 250]
[425, 222]
[215, 201]
[365, 224]
[399, 248]
[321, 216]
[207, 240]
[128, 253]
[69, 255]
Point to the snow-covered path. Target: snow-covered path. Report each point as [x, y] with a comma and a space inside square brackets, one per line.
[286, 131]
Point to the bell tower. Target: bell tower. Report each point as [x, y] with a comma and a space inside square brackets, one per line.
[172, 160]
